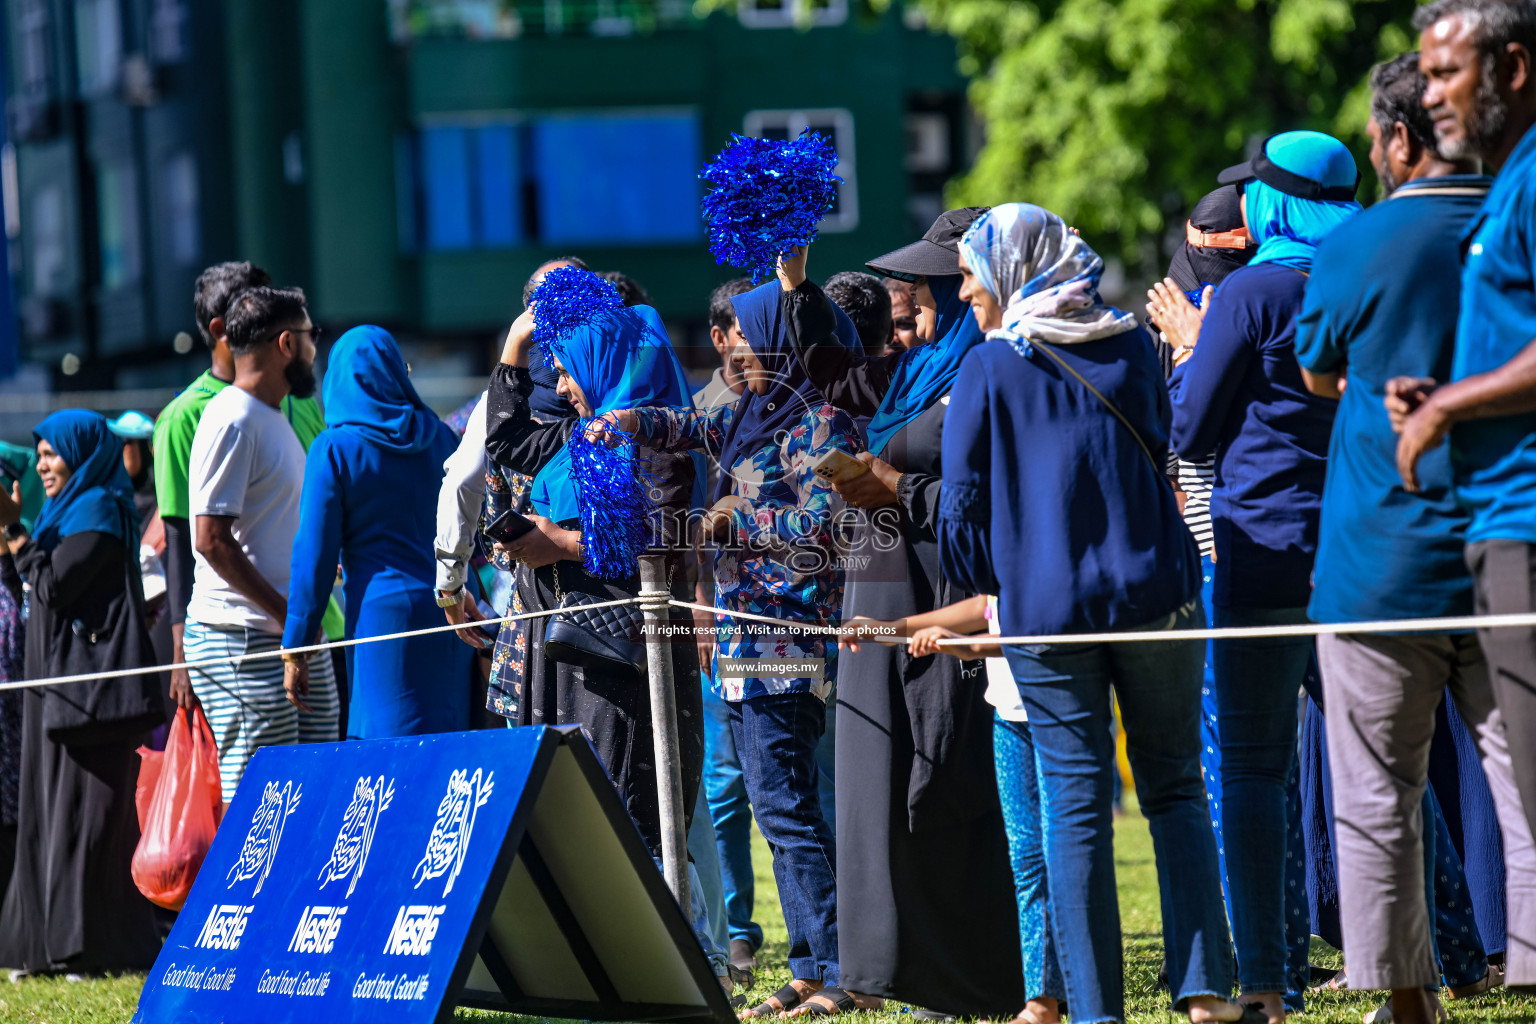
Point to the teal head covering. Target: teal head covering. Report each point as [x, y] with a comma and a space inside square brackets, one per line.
[621, 359]
[368, 392]
[1298, 188]
[20, 465]
[923, 375]
[98, 495]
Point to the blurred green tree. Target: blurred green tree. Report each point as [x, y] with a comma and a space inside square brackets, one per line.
[1117, 114]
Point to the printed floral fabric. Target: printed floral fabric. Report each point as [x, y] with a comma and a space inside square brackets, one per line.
[784, 559]
[505, 490]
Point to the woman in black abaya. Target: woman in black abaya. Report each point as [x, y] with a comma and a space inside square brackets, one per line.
[71, 905]
[925, 894]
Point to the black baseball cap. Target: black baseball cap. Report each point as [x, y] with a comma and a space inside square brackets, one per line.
[936, 254]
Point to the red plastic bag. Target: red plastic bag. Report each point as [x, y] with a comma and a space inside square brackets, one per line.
[179, 803]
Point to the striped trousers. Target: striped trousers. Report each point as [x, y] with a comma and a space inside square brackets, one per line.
[245, 704]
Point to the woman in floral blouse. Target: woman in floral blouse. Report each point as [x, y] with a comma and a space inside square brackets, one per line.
[775, 524]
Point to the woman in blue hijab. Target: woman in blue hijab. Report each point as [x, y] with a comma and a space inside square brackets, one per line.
[71, 905]
[925, 887]
[591, 520]
[1240, 398]
[773, 518]
[370, 501]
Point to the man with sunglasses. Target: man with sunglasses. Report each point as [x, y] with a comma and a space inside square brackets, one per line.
[175, 428]
[246, 476]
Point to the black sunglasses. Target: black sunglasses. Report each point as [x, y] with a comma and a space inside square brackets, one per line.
[314, 331]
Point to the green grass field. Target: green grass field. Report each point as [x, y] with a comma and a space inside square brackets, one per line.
[111, 1001]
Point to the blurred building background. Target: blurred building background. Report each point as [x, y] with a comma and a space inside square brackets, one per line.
[409, 162]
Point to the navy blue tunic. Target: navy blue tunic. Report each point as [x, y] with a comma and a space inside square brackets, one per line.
[1049, 500]
[1241, 398]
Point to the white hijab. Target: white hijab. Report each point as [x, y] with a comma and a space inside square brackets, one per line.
[1045, 277]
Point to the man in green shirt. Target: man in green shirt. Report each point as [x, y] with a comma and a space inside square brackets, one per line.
[177, 425]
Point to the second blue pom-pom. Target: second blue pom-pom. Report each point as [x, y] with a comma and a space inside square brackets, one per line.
[568, 298]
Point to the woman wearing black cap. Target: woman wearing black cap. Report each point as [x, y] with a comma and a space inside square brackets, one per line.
[1216, 243]
[926, 910]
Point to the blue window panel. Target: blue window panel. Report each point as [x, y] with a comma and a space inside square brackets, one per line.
[618, 179]
[445, 186]
[500, 186]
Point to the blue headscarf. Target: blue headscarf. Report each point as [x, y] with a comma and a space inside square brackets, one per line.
[622, 359]
[757, 421]
[923, 375]
[98, 496]
[367, 392]
[1288, 228]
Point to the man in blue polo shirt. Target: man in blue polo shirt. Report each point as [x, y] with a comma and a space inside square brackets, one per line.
[1480, 59]
[1380, 305]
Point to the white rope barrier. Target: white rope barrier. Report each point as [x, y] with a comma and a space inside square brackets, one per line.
[1453, 624]
[237, 659]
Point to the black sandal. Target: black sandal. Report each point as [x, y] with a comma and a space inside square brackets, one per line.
[789, 997]
[842, 1002]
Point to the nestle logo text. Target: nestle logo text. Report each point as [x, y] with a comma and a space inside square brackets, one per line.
[317, 930]
[415, 927]
[226, 923]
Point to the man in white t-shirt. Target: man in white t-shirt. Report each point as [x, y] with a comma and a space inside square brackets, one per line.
[245, 476]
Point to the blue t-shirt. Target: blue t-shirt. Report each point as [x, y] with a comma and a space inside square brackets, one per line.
[1495, 459]
[1240, 397]
[1381, 303]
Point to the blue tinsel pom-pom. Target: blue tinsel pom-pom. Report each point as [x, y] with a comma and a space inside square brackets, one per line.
[765, 197]
[566, 299]
[615, 510]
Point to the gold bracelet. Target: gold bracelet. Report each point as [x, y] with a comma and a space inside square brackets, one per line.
[291, 659]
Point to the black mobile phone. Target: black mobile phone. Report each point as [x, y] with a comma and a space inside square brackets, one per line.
[507, 527]
[490, 629]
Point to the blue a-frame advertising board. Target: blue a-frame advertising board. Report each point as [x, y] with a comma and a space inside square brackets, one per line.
[391, 880]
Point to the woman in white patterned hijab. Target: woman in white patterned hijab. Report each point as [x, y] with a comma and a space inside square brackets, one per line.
[1044, 276]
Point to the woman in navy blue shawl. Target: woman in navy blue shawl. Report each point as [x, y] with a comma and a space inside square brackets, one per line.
[71, 904]
[370, 500]
[1055, 500]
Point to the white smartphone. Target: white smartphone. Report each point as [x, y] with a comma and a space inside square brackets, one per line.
[839, 467]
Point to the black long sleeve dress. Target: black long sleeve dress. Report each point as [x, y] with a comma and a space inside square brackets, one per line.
[13, 640]
[925, 899]
[613, 708]
[71, 904]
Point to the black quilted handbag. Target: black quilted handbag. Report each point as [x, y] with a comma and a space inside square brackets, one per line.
[594, 638]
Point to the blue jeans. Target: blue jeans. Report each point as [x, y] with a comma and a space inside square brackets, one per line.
[776, 737]
[705, 858]
[1257, 681]
[732, 817]
[1066, 690]
[1297, 922]
[1018, 787]
[826, 760]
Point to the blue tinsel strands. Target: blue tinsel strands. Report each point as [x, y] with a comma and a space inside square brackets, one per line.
[615, 511]
[765, 197]
[567, 298]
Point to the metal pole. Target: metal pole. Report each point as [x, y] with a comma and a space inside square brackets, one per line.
[669, 763]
